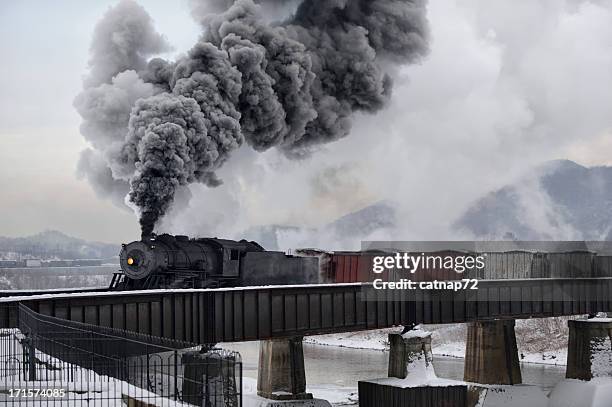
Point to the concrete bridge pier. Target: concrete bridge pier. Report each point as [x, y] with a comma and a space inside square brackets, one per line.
[412, 380]
[281, 376]
[491, 354]
[410, 355]
[589, 352]
[589, 357]
[208, 375]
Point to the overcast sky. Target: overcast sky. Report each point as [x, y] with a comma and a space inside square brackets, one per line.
[44, 56]
[508, 84]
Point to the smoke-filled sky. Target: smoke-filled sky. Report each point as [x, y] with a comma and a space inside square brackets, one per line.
[506, 85]
[158, 126]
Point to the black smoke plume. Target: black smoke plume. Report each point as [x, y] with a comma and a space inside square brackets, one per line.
[161, 125]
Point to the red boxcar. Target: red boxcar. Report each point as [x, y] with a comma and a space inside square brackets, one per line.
[355, 267]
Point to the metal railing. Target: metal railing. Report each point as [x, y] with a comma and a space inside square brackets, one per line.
[54, 362]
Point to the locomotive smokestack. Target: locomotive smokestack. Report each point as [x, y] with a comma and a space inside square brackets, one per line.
[289, 85]
[147, 225]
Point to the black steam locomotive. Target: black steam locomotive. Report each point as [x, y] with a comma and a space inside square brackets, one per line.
[167, 261]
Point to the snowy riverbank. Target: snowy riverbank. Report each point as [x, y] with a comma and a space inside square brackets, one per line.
[540, 341]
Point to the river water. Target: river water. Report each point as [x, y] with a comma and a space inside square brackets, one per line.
[338, 369]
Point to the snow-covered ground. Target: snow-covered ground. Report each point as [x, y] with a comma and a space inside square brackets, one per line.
[109, 393]
[541, 341]
[65, 384]
[572, 393]
[336, 395]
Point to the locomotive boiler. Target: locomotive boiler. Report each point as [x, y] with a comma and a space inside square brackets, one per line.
[167, 261]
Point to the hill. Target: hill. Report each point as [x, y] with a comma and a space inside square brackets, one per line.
[560, 200]
[53, 244]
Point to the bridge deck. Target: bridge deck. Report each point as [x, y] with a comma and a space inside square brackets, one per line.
[253, 313]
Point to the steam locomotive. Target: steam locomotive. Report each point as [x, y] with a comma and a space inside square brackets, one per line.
[167, 261]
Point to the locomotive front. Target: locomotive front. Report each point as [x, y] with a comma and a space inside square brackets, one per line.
[139, 260]
[163, 253]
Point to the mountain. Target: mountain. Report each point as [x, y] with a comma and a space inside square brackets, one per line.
[363, 222]
[349, 230]
[560, 200]
[53, 244]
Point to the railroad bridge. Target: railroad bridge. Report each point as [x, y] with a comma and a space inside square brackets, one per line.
[259, 313]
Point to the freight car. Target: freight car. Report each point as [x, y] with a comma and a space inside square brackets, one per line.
[353, 267]
[167, 261]
[357, 267]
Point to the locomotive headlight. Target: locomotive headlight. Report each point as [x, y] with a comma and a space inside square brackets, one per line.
[134, 259]
[137, 260]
